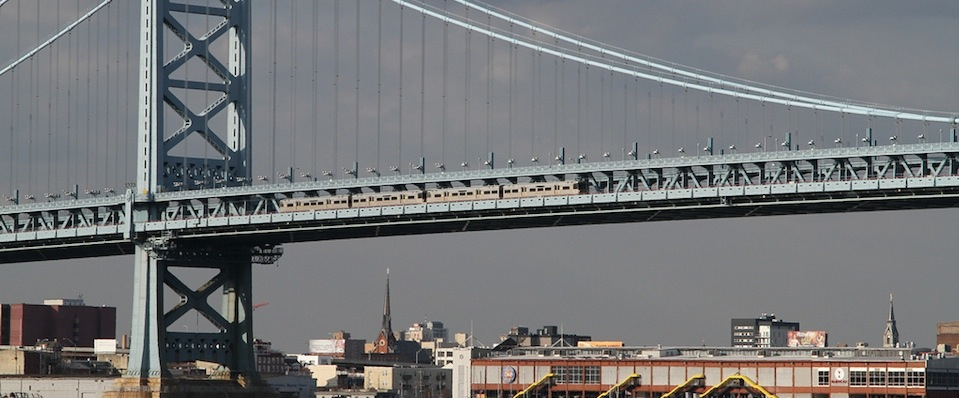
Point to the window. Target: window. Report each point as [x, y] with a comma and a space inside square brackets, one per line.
[823, 377]
[916, 378]
[575, 375]
[592, 375]
[877, 377]
[897, 378]
[857, 377]
[559, 374]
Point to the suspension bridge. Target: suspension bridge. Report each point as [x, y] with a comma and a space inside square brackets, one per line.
[131, 137]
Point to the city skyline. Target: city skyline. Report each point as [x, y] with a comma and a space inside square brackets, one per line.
[670, 283]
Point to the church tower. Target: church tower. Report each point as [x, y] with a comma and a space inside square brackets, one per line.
[890, 338]
[385, 341]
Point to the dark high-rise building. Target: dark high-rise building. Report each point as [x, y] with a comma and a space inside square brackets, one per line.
[765, 331]
[68, 321]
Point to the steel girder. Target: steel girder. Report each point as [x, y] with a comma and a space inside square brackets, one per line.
[903, 176]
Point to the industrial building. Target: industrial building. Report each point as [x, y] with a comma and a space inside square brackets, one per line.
[69, 321]
[765, 331]
[657, 372]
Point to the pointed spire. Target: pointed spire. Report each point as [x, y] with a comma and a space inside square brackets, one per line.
[385, 341]
[892, 315]
[387, 319]
[890, 338]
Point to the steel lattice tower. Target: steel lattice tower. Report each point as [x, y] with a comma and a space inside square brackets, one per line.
[166, 161]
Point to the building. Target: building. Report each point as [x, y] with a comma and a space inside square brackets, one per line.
[341, 346]
[427, 331]
[268, 361]
[765, 331]
[69, 321]
[658, 372]
[408, 381]
[947, 336]
[459, 361]
[548, 336]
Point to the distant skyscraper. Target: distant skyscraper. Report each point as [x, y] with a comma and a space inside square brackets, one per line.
[890, 338]
[385, 341]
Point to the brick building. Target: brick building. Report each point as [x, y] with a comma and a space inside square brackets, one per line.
[68, 321]
[716, 372]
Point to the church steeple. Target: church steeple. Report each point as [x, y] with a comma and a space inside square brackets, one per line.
[385, 341]
[890, 338]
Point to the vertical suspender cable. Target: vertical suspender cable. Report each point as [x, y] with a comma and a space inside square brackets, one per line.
[556, 99]
[294, 33]
[466, 96]
[273, 72]
[52, 120]
[106, 102]
[356, 122]
[625, 111]
[562, 100]
[422, 83]
[31, 115]
[509, 99]
[579, 105]
[602, 111]
[445, 84]
[100, 177]
[399, 143]
[489, 83]
[379, 79]
[88, 161]
[313, 114]
[532, 99]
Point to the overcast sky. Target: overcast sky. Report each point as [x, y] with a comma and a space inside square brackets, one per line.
[670, 283]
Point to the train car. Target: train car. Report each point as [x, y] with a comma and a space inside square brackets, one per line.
[315, 203]
[540, 189]
[488, 192]
[395, 198]
[444, 195]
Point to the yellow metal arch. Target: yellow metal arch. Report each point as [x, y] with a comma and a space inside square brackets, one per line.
[619, 385]
[738, 381]
[543, 380]
[692, 382]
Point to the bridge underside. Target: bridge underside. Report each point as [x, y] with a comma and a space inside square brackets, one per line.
[513, 218]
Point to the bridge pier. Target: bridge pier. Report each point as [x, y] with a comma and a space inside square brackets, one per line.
[154, 346]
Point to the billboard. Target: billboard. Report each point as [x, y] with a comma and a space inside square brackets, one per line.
[105, 346]
[327, 346]
[600, 344]
[807, 338]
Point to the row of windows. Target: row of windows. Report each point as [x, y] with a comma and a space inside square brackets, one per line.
[943, 379]
[576, 374]
[893, 378]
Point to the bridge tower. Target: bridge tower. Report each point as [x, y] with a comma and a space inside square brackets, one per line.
[194, 132]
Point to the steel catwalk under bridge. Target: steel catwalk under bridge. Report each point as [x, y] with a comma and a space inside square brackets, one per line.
[835, 180]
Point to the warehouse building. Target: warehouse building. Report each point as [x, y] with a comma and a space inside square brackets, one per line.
[656, 372]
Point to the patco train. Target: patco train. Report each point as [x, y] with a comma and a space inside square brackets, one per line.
[441, 195]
